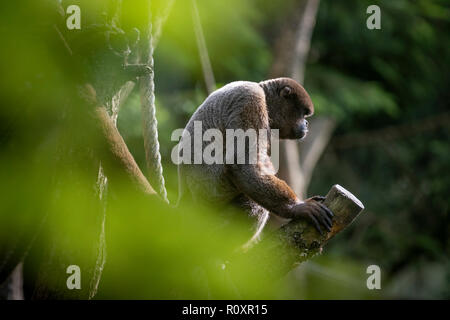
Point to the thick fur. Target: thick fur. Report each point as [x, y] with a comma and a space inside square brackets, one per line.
[273, 104]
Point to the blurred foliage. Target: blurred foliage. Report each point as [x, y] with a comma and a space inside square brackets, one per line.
[365, 79]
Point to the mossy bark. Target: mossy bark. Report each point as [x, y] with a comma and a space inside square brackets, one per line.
[299, 240]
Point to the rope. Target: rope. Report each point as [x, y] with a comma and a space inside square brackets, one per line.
[149, 122]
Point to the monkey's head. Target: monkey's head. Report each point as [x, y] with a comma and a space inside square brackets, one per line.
[288, 106]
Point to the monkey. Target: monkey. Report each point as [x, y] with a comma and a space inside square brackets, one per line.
[281, 104]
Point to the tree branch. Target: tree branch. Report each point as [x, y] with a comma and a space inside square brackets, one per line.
[118, 154]
[299, 240]
[312, 147]
[291, 51]
[304, 34]
[390, 133]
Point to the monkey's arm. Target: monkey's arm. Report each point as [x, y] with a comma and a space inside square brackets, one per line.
[258, 184]
[267, 190]
[276, 196]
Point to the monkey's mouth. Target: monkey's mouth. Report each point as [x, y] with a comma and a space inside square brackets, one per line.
[300, 133]
[303, 134]
[300, 130]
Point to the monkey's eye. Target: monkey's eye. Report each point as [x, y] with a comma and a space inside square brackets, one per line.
[285, 92]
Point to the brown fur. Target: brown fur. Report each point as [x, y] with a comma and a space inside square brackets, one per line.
[273, 104]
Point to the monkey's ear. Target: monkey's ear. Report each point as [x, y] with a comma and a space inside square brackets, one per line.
[285, 92]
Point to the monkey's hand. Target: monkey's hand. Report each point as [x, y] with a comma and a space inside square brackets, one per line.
[314, 210]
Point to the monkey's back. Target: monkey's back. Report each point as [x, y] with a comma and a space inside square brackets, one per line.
[223, 109]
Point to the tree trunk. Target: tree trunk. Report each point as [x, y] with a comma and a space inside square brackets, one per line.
[291, 51]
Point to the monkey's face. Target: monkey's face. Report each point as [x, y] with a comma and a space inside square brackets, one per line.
[293, 106]
[299, 130]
